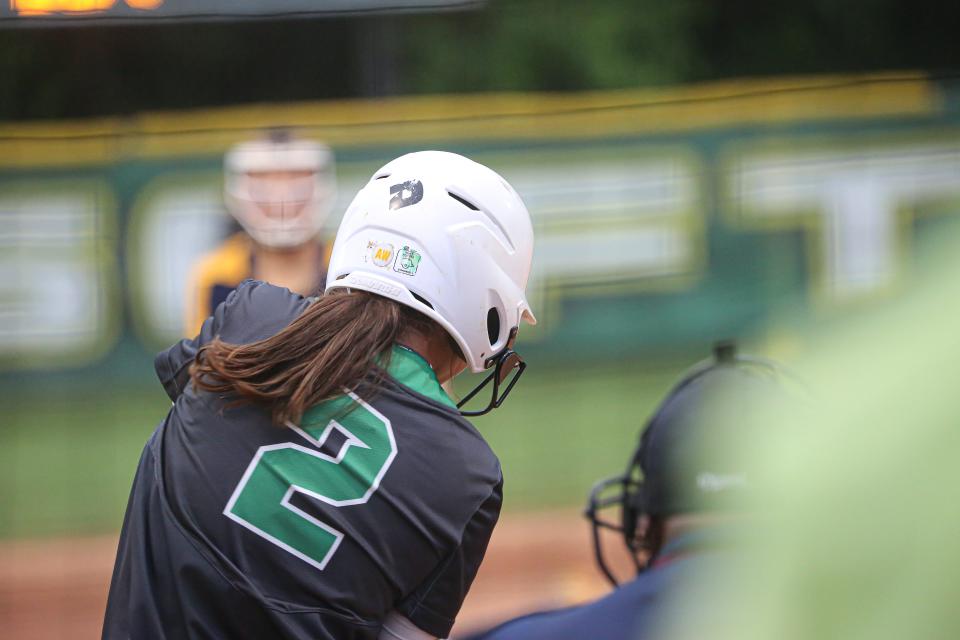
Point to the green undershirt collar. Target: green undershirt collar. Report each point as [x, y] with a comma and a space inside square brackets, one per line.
[411, 370]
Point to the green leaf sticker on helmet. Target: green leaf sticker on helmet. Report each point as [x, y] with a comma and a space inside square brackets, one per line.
[407, 261]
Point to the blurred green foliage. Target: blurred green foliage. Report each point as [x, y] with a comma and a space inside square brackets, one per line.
[557, 46]
[509, 45]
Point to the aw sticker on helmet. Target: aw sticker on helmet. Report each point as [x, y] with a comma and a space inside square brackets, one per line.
[407, 261]
[405, 194]
[382, 254]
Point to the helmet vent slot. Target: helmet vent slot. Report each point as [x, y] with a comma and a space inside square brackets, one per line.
[421, 299]
[382, 176]
[493, 325]
[464, 202]
[469, 205]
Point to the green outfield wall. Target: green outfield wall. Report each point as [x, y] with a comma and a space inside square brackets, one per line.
[664, 219]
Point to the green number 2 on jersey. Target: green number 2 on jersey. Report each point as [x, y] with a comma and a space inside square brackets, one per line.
[261, 502]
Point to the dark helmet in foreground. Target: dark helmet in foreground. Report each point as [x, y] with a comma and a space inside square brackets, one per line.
[684, 462]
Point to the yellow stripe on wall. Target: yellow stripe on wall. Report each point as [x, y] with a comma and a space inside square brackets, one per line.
[422, 120]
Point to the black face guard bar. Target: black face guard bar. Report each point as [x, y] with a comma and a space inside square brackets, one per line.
[505, 364]
[597, 503]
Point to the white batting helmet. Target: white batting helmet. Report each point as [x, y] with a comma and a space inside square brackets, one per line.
[447, 236]
[279, 188]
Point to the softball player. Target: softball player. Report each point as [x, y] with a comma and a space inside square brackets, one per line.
[280, 189]
[679, 507]
[313, 479]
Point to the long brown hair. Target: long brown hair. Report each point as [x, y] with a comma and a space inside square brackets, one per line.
[338, 341]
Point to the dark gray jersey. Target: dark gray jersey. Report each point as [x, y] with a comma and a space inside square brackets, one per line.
[236, 528]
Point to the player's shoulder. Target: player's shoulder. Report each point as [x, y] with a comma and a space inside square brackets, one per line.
[256, 310]
[477, 455]
[446, 440]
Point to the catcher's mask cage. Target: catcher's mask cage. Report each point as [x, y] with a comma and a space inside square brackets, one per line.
[617, 491]
[630, 494]
[280, 188]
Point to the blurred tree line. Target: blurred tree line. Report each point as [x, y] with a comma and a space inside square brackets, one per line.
[509, 45]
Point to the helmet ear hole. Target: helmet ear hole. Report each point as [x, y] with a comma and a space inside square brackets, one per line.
[493, 325]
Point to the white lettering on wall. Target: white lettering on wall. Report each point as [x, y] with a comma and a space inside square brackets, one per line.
[851, 199]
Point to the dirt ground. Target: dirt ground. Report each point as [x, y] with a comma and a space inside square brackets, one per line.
[54, 589]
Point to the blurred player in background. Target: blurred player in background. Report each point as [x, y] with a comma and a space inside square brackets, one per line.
[678, 503]
[280, 189]
[313, 480]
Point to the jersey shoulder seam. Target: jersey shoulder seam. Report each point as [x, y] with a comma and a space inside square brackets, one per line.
[447, 412]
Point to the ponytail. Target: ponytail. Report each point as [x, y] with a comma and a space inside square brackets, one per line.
[339, 340]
